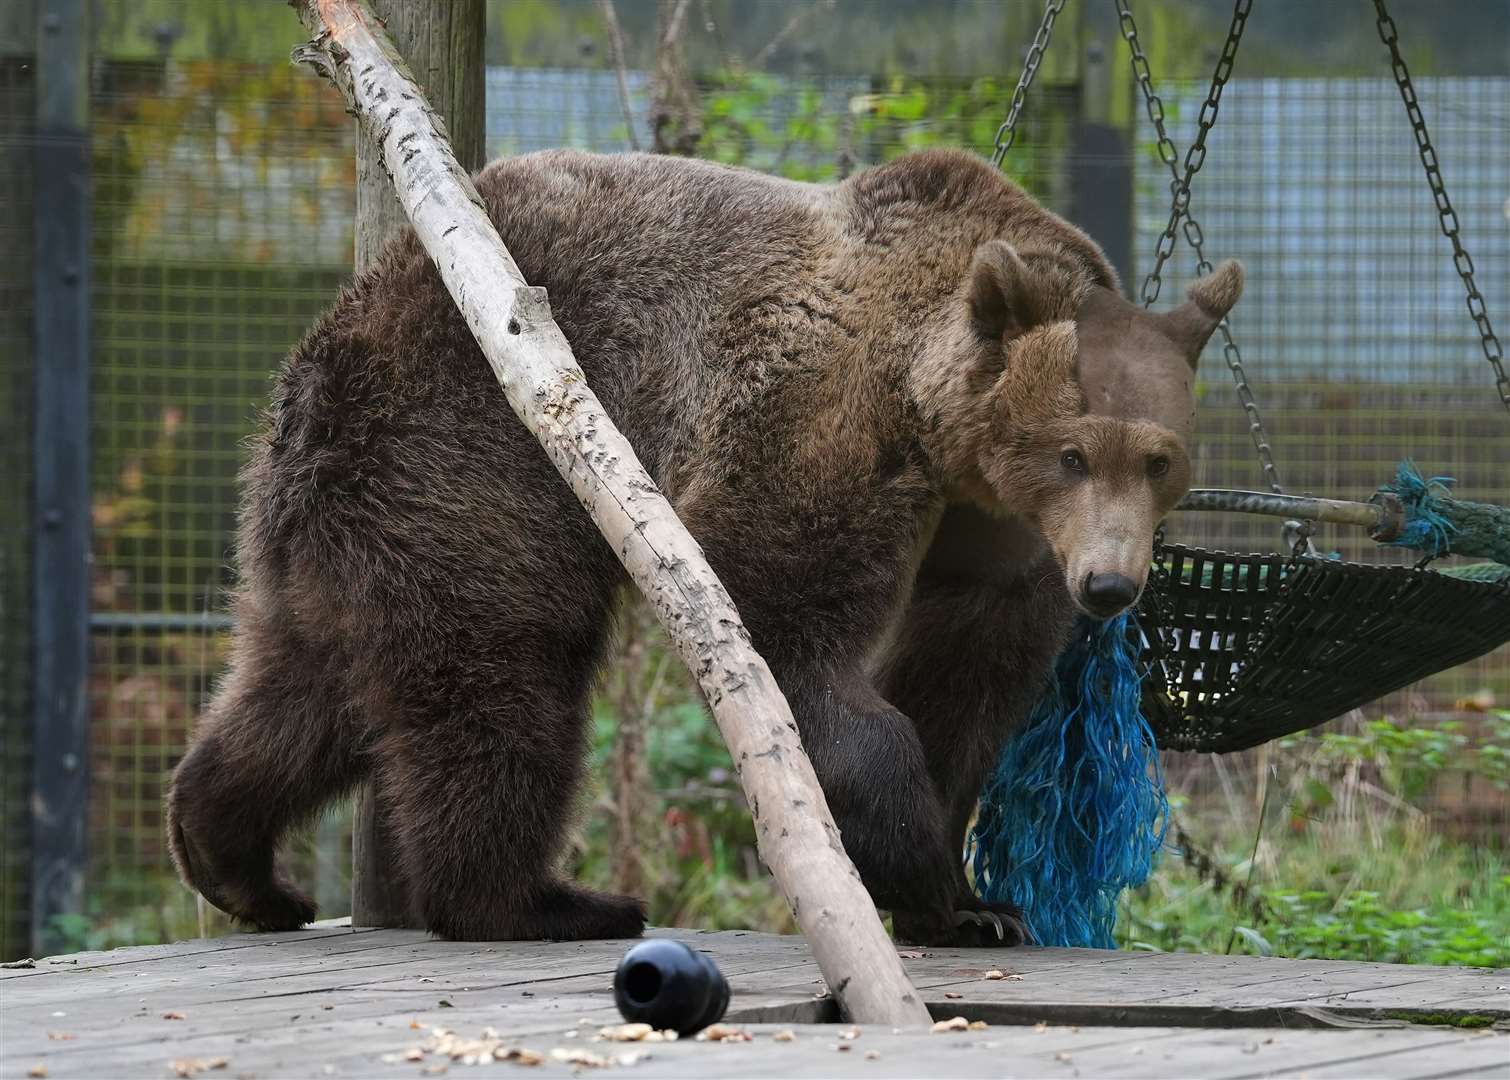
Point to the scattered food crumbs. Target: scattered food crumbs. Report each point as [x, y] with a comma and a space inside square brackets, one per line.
[954, 1023]
[849, 1033]
[784, 1036]
[723, 1033]
[61, 1036]
[444, 1004]
[978, 1025]
[414, 1025]
[194, 1066]
[37, 1070]
[1062, 1056]
[633, 1033]
[174, 1015]
[843, 1047]
[414, 1053]
[952, 996]
[578, 1056]
[1040, 1027]
[327, 1008]
[996, 974]
[28, 962]
[872, 1055]
[572, 1034]
[625, 1032]
[520, 1055]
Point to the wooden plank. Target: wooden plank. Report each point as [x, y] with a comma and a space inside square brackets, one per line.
[291, 1004]
[1136, 1052]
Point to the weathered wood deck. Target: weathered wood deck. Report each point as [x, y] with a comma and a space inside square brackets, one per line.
[337, 1002]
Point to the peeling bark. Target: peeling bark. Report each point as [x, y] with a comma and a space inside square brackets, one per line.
[546, 388]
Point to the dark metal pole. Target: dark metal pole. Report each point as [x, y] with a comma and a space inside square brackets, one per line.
[60, 597]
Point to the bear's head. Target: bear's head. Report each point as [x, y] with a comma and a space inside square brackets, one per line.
[1061, 402]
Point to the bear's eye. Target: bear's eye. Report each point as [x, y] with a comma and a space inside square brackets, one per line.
[1072, 461]
[1158, 466]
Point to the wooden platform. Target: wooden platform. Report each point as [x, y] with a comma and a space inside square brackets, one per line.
[336, 1002]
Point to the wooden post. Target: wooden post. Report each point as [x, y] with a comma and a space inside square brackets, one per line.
[441, 41]
[1101, 153]
[546, 388]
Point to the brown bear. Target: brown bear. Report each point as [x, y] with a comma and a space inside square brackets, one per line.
[908, 417]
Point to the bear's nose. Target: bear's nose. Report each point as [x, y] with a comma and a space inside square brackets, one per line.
[1107, 594]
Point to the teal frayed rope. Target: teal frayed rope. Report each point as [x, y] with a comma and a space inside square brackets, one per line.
[1426, 528]
[1075, 811]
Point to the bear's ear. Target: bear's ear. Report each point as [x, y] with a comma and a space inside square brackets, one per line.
[1209, 299]
[1002, 299]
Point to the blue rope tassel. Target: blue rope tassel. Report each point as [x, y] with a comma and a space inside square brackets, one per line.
[1075, 811]
[1425, 528]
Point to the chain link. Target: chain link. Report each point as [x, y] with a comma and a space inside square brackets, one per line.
[1154, 106]
[1007, 133]
[1446, 215]
[1195, 157]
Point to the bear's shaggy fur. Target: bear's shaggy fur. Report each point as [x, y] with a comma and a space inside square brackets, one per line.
[855, 397]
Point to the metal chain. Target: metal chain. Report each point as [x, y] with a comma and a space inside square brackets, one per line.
[1007, 133]
[1446, 215]
[1195, 157]
[1154, 106]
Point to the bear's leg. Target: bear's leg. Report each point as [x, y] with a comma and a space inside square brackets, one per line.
[276, 744]
[874, 777]
[988, 614]
[483, 763]
[481, 636]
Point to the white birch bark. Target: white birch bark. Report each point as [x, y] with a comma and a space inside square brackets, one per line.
[546, 388]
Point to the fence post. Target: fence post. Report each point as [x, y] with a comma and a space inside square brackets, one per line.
[1101, 151]
[441, 41]
[60, 561]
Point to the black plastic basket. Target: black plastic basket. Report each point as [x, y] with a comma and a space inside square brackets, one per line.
[1242, 649]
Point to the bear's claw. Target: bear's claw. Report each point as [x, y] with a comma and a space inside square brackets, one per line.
[990, 926]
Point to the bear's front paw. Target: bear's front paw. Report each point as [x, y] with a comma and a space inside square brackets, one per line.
[972, 924]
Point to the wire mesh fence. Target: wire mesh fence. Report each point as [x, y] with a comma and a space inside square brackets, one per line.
[222, 225]
[1353, 327]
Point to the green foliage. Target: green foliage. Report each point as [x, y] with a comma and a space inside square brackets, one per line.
[1351, 869]
[812, 131]
[698, 855]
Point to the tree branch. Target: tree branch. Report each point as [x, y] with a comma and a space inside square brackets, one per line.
[616, 49]
[546, 388]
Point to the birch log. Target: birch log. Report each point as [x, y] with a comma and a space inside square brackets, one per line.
[546, 388]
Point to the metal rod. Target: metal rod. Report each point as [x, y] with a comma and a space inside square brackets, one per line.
[1381, 518]
[161, 621]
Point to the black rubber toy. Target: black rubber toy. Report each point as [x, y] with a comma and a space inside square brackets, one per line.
[667, 985]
